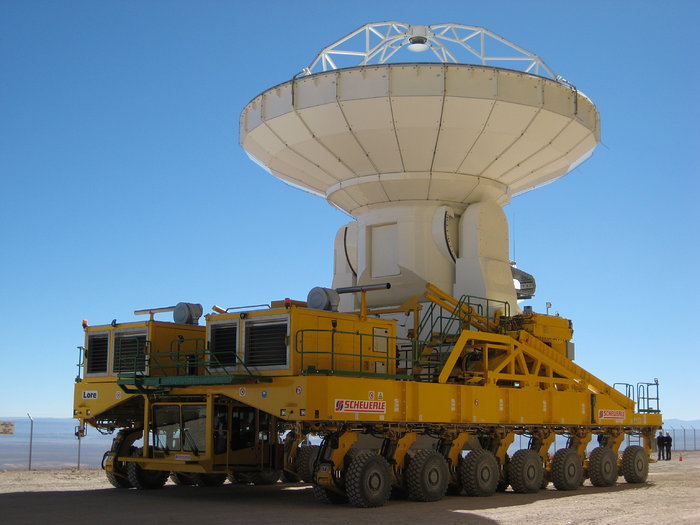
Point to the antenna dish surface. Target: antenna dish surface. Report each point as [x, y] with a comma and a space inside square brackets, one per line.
[404, 146]
[448, 132]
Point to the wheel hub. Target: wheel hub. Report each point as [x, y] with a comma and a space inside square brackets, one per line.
[433, 477]
[374, 481]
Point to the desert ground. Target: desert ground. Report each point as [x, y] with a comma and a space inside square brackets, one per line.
[671, 495]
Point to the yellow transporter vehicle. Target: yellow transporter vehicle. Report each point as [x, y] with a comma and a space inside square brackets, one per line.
[437, 410]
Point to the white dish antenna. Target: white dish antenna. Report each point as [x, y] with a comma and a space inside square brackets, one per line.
[422, 153]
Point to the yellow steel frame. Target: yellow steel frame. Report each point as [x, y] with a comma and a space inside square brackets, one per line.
[522, 358]
[510, 382]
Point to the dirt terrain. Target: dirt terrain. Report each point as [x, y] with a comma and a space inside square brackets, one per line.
[671, 495]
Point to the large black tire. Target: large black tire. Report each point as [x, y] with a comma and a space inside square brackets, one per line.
[118, 476]
[478, 473]
[567, 469]
[143, 479]
[525, 471]
[183, 479]
[209, 480]
[118, 481]
[427, 476]
[635, 464]
[305, 461]
[323, 495]
[602, 467]
[368, 480]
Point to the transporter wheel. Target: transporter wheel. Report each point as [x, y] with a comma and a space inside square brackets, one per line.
[351, 453]
[368, 480]
[525, 471]
[427, 476]
[602, 467]
[305, 460]
[635, 464]
[567, 469]
[118, 481]
[183, 479]
[144, 479]
[327, 496]
[478, 473]
[209, 480]
[118, 476]
[266, 477]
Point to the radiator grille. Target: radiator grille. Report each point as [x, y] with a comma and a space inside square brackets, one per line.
[129, 354]
[223, 345]
[266, 344]
[97, 351]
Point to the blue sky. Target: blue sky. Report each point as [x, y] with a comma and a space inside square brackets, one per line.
[123, 185]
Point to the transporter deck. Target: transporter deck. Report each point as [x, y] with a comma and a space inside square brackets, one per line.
[435, 410]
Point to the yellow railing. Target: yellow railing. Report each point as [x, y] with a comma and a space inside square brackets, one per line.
[345, 352]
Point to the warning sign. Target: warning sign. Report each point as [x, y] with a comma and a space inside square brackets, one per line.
[7, 428]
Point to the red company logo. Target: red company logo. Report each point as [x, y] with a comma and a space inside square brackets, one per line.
[360, 406]
[611, 414]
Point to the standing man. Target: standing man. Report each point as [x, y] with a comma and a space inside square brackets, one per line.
[668, 441]
[661, 445]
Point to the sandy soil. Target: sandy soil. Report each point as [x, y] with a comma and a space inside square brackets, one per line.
[671, 495]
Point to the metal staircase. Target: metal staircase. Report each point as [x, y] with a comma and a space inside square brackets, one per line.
[443, 323]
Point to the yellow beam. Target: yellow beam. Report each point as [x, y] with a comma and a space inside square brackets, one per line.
[454, 355]
[559, 362]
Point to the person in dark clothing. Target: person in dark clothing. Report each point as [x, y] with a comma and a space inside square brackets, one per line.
[661, 445]
[668, 441]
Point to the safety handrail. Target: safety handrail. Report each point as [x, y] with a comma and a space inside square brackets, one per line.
[450, 316]
[469, 308]
[391, 342]
[173, 360]
[81, 364]
[629, 389]
[645, 398]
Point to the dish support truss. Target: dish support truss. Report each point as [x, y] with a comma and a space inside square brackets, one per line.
[376, 43]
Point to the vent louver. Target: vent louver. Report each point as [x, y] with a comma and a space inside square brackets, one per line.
[266, 344]
[223, 345]
[97, 351]
[129, 354]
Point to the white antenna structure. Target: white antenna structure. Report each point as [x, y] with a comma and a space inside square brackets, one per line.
[376, 43]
